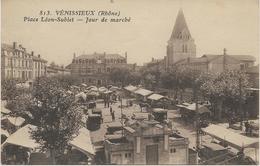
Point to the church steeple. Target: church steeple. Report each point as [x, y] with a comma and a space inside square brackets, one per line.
[181, 45]
[180, 30]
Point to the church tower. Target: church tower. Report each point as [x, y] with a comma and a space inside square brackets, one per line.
[180, 45]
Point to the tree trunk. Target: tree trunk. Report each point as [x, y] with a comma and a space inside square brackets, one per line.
[52, 155]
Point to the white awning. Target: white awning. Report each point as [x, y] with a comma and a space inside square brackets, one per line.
[5, 110]
[102, 89]
[83, 142]
[143, 92]
[16, 121]
[22, 138]
[81, 94]
[4, 132]
[155, 97]
[233, 139]
[131, 88]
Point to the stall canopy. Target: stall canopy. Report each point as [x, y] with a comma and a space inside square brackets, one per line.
[143, 92]
[233, 139]
[192, 107]
[130, 88]
[16, 121]
[83, 142]
[82, 95]
[5, 110]
[22, 138]
[155, 97]
[102, 89]
[4, 132]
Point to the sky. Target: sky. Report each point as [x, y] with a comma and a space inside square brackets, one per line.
[214, 25]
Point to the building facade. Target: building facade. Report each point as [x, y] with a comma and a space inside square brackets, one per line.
[53, 70]
[218, 63]
[181, 45]
[17, 63]
[147, 142]
[95, 68]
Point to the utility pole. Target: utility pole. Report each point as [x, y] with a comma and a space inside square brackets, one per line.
[240, 105]
[197, 117]
[121, 100]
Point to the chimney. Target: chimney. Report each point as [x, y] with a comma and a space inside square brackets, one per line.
[225, 51]
[152, 59]
[125, 55]
[14, 45]
[39, 56]
[32, 53]
[74, 55]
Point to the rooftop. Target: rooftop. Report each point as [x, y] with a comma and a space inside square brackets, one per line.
[100, 55]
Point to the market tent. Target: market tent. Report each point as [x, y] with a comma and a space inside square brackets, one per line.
[81, 94]
[233, 139]
[5, 110]
[16, 121]
[83, 85]
[93, 88]
[22, 138]
[5, 132]
[155, 97]
[92, 93]
[102, 89]
[107, 92]
[143, 92]
[201, 108]
[83, 142]
[114, 88]
[130, 88]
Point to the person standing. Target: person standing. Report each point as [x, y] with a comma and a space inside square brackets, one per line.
[113, 115]
[111, 110]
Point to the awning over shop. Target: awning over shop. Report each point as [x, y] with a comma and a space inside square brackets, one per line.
[155, 97]
[143, 92]
[233, 139]
[131, 88]
[83, 142]
[22, 138]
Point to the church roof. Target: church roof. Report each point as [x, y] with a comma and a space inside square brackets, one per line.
[180, 27]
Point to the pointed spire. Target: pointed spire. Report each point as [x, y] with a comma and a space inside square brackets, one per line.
[180, 29]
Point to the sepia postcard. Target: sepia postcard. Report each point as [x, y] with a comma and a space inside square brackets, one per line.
[130, 82]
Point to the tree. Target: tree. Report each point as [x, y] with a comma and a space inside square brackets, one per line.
[226, 90]
[120, 75]
[56, 115]
[8, 89]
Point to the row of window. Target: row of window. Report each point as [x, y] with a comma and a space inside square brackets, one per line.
[17, 53]
[184, 48]
[89, 70]
[23, 63]
[93, 61]
[23, 74]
